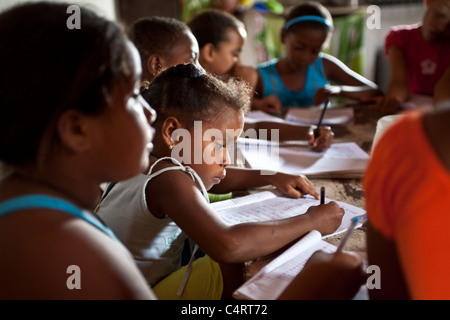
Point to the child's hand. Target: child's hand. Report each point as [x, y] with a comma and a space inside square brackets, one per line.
[270, 104]
[293, 186]
[324, 93]
[320, 140]
[387, 104]
[326, 218]
[327, 276]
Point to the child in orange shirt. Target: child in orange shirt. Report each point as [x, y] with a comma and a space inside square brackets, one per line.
[407, 188]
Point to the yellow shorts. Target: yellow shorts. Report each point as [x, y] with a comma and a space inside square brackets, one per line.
[205, 282]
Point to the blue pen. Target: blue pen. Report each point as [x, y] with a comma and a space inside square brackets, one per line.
[347, 234]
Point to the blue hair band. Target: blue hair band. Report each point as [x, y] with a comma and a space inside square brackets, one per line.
[308, 18]
[197, 73]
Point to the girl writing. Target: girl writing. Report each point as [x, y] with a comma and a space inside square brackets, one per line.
[153, 213]
[303, 75]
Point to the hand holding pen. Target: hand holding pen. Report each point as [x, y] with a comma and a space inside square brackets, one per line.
[320, 137]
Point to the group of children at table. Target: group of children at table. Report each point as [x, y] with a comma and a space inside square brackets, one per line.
[100, 123]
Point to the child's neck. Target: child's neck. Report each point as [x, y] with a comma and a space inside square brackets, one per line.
[82, 194]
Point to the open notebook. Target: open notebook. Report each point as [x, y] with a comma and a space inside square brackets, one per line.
[269, 282]
[272, 205]
[341, 160]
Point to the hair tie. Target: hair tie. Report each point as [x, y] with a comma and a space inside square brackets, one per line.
[308, 18]
[196, 73]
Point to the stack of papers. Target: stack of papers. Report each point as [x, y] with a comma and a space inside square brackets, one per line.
[341, 160]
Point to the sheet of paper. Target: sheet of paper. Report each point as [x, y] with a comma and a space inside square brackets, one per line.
[345, 160]
[254, 116]
[272, 205]
[307, 116]
[332, 116]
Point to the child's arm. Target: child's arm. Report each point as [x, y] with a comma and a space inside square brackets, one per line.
[291, 185]
[291, 131]
[349, 83]
[176, 195]
[270, 104]
[397, 91]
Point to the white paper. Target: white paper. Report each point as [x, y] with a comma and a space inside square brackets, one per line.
[272, 205]
[332, 116]
[346, 160]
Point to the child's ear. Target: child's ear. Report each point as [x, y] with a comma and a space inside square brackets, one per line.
[73, 131]
[208, 52]
[154, 65]
[168, 127]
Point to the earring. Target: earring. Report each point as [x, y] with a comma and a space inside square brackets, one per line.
[171, 146]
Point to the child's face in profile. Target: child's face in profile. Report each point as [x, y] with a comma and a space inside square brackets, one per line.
[303, 46]
[436, 22]
[228, 52]
[218, 138]
[185, 51]
[123, 142]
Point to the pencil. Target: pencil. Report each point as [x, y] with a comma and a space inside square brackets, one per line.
[322, 195]
[319, 124]
[347, 234]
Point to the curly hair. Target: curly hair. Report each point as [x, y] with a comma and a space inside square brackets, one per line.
[190, 94]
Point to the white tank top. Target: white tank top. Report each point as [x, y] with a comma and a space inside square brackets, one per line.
[156, 244]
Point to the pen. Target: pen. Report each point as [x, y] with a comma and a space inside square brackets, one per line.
[322, 195]
[319, 124]
[347, 234]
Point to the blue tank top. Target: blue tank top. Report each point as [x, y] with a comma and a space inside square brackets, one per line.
[48, 202]
[272, 84]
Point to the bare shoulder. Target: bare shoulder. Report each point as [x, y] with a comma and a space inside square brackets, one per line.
[52, 255]
[248, 73]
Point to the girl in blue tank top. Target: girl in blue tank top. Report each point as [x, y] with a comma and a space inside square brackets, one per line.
[78, 121]
[303, 76]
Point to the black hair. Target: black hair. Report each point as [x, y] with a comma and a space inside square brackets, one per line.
[190, 94]
[155, 35]
[48, 68]
[211, 25]
[310, 8]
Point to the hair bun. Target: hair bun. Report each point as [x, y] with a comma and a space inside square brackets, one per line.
[187, 70]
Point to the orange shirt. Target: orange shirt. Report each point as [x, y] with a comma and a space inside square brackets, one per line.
[407, 192]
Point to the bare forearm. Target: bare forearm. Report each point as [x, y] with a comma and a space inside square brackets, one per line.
[271, 130]
[256, 240]
[357, 92]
